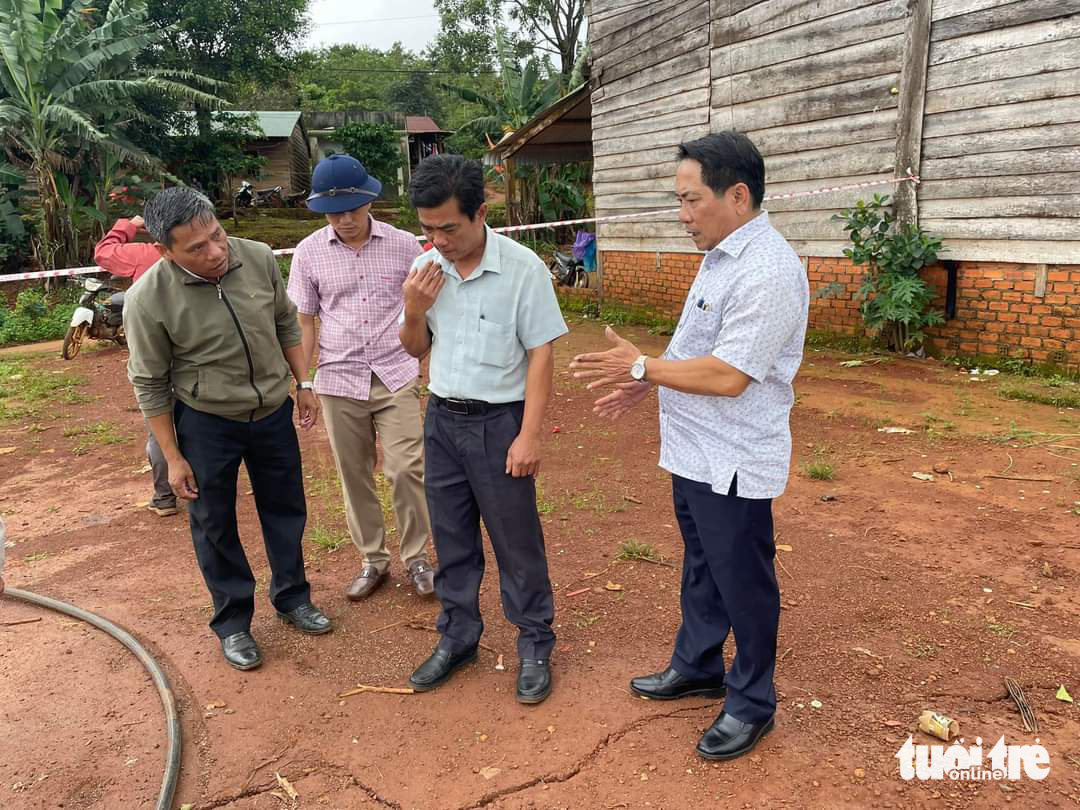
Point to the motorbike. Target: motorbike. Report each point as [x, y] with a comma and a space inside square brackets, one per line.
[99, 316]
[569, 271]
[249, 196]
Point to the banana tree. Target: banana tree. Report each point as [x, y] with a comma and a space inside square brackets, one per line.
[522, 93]
[69, 86]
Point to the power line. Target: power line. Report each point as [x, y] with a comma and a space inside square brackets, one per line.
[376, 20]
[403, 70]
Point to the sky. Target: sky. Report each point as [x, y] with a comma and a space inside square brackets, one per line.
[378, 23]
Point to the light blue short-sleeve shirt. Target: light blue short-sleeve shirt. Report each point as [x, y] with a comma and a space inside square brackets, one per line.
[483, 327]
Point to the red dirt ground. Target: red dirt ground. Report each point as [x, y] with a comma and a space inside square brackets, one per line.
[898, 596]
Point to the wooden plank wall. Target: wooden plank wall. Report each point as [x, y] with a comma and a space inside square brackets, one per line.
[651, 61]
[815, 84]
[1001, 136]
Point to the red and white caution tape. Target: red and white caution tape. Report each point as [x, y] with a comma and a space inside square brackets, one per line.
[910, 178]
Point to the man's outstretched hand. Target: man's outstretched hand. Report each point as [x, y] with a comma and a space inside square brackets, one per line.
[607, 368]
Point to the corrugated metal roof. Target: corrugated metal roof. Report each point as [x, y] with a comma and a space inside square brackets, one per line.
[274, 123]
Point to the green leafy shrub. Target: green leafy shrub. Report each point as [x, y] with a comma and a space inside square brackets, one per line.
[895, 300]
[378, 147]
[37, 316]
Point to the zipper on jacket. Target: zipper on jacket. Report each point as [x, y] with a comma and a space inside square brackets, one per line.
[243, 339]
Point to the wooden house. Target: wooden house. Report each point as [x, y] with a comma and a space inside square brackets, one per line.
[979, 98]
[285, 146]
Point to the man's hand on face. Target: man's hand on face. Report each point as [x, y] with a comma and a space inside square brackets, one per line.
[182, 479]
[307, 405]
[523, 458]
[422, 287]
[607, 368]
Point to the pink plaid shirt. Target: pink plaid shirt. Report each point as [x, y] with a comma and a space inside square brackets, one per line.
[357, 297]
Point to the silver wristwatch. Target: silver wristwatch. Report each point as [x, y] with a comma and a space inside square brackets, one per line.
[306, 385]
[637, 370]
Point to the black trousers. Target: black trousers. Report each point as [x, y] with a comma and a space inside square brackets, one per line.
[465, 480]
[214, 447]
[728, 583]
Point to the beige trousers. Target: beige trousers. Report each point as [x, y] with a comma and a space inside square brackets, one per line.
[352, 425]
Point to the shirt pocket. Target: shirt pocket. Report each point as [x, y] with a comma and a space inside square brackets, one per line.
[496, 343]
[700, 332]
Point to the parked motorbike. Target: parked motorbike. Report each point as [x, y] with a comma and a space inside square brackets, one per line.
[569, 271]
[249, 196]
[99, 316]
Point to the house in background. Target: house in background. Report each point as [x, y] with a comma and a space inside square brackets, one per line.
[561, 133]
[425, 138]
[285, 146]
[420, 136]
[981, 98]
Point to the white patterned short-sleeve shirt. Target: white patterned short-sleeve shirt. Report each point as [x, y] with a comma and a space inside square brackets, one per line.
[748, 307]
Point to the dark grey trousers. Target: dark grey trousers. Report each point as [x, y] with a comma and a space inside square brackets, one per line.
[465, 480]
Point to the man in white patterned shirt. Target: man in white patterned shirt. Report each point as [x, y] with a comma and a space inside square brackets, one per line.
[349, 275]
[725, 401]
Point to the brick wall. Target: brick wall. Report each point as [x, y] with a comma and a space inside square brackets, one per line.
[997, 309]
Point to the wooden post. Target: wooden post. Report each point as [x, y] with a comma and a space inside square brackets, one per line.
[508, 173]
[909, 117]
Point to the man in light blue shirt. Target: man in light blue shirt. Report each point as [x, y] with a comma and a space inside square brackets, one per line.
[725, 400]
[484, 306]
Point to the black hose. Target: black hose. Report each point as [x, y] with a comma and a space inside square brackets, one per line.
[168, 702]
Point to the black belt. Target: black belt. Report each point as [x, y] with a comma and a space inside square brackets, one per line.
[466, 407]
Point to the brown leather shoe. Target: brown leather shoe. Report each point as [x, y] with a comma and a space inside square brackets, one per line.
[423, 576]
[366, 584]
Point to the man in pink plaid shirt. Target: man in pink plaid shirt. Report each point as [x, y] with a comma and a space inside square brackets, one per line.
[349, 275]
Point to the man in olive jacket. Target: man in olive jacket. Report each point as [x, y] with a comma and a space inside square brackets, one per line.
[213, 337]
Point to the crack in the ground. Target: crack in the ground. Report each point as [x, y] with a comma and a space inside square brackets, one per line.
[574, 770]
[326, 767]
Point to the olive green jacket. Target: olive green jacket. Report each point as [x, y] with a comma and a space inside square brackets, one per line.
[216, 347]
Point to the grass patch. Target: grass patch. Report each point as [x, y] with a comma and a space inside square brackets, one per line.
[24, 389]
[97, 434]
[595, 501]
[386, 502]
[583, 621]
[329, 539]
[822, 340]
[278, 232]
[1015, 365]
[1003, 630]
[1055, 399]
[820, 471]
[617, 314]
[544, 504]
[631, 550]
[920, 648]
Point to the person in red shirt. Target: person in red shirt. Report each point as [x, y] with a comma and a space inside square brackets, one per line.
[118, 253]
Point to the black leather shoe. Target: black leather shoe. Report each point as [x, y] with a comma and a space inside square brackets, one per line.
[534, 680]
[730, 737]
[241, 651]
[670, 685]
[307, 619]
[438, 668]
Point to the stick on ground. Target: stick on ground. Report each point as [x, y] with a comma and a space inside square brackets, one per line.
[1017, 694]
[383, 690]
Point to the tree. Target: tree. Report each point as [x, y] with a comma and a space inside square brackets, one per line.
[550, 26]
[71, 91]
[233, 41]
[211, 159]
[377, 146]
[522, 93]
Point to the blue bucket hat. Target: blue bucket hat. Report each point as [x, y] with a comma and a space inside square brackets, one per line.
[341, 183]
